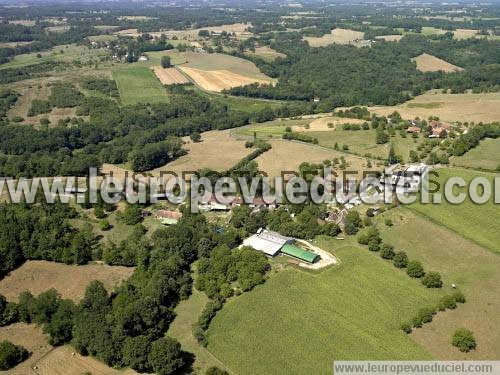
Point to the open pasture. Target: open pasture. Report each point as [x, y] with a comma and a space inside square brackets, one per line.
[38, 276]
[265, 53]
[484, 156]
[467, 107]
[475, 222]
[288, 155]
[473, 268]
[30, 337]
[300, 323]
[170, 76]
[362, 142]
[339, 36]
[139, 85]
[67, 53]
[429, 63]
[61, 361]
[217, 151]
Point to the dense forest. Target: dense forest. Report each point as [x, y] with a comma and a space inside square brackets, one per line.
[382, 74]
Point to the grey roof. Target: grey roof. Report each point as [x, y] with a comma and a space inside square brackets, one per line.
[268, 242]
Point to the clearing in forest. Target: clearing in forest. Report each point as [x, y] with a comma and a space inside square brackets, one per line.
[70, 281]
[339, 36]
[429, 63]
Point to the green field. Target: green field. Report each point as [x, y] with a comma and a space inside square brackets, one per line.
[187, 313]
[484, 156]
[471, 267]
[219, 61]
[139, 85]
[299, 323]
[268, 130]
[69, 53]
[176, 58]
[362, 142]
[478, 223]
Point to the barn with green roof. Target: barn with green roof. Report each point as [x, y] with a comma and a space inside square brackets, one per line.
[301, 254]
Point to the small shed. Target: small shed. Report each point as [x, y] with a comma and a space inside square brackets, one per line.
[301, 254]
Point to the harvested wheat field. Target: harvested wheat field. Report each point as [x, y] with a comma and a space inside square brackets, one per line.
[339, 36]
[287, 156]
[38, 276]
[30, 337]
[219, 80]
[448, 107]
[61, 361]
[429, 63]
[169, 76]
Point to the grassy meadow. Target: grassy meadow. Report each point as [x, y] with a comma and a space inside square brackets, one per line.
[484, 156]
[471, 267]
[299, 323]
[478, 223]
[362, 142]
[139, 85]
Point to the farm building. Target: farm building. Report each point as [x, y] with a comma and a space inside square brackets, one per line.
[301, 254]
[270, 243]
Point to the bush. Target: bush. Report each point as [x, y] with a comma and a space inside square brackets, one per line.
[464, 340]
[104, 225]
[425, 314]
[388, 222]
[406, 327]
[11, 355]
[373, 245]
[459, 297]
[432, 280]
[387, 251]
[415, 269]
[449, 302]
[400, 259]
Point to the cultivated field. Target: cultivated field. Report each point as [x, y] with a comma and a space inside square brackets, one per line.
[287, 156]
[170, 76]
[39, 276]
[448, 107]
[484, 156]
[471, 267]
[219, 80]
[429, 63]
[339, 36]
[139, 85]
[299, 323]
[472, 221]
[32, 338]
[216, 72]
